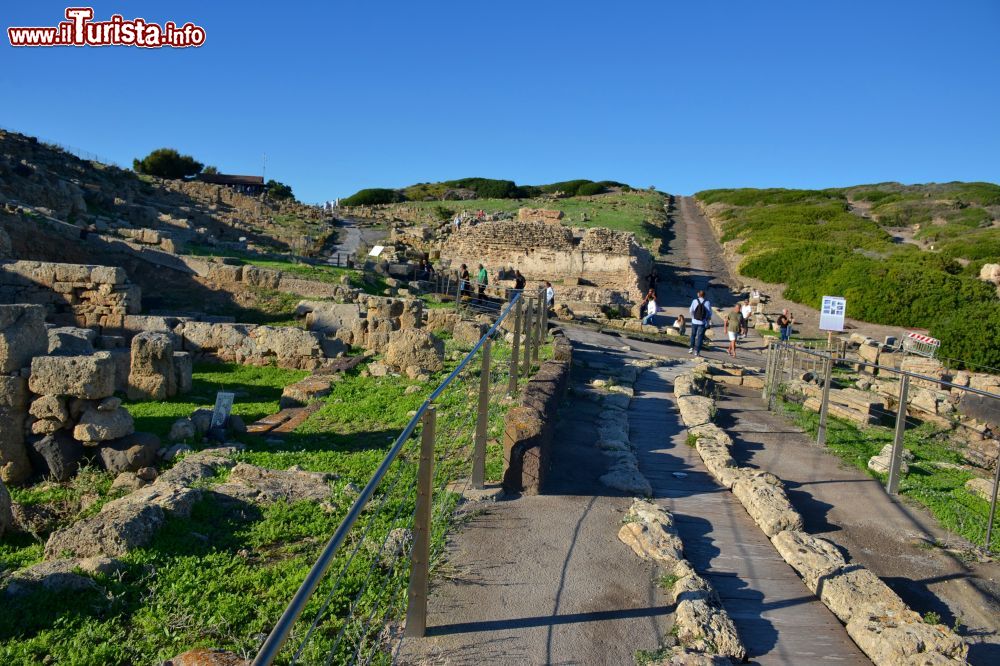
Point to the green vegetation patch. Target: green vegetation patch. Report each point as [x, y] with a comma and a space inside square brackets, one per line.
[816, 243]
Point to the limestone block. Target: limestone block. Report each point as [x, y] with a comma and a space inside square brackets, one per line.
[14, 464]
[57, 455]
[765, 500]
[414, 348]
[856, 592]
[152, 375]
[98, 426]
[813, 558]
[22, 336]
[91, 377]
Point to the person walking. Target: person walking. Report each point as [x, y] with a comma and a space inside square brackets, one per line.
[650, 311]
[732, 327]
[550, 296]
[785, 323]
[701, 317]
[482, 279]
[746, 312]
[465, 281]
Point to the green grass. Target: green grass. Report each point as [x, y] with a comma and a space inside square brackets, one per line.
[641, 213]
[223, 577]
[257, 389]
[941, 490]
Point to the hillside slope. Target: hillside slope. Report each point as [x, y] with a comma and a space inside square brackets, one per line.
[901, 255]
[111, 199]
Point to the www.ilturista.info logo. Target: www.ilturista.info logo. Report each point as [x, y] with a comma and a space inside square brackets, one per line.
[81, 30]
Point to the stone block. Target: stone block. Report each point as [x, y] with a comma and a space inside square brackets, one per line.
[130, 453]
[151, 375]
[91, 377]
[71, 341]
[98, 426]
[22, 336]
[183, 372]
[14, 464]
[57, 455]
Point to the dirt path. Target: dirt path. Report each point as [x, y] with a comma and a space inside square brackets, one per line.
[544, 579]
[851, 509]
[710, 266]
[777, 617]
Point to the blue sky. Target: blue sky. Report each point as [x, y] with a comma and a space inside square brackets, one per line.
[683, 96]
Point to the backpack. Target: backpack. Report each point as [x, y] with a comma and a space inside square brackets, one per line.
[700, 311]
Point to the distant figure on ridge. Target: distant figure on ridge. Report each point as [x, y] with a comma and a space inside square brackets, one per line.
[701, 317]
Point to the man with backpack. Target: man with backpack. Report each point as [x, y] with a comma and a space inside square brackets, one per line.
[701, 317]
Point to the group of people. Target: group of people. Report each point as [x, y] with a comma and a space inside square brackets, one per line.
[482, 280]
[736, 322]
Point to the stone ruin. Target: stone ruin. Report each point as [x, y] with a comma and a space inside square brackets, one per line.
[57, 404]
[390, 326]
[72, 294]
[591, 268]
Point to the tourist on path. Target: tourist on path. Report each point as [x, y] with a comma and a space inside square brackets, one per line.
[482, 279]
[465, 280]
[732, 327]
[650, 311]
[701, 317]
[519, 281]
[785, 323]
[550, 296]
[650, 296]
[746, 311]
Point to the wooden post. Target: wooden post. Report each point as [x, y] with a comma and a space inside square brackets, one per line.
[515, 349]
[892, 486]
[482, 421]
[825, 405]
[420, 556]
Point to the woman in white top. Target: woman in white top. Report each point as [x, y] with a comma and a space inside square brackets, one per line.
[650, 311]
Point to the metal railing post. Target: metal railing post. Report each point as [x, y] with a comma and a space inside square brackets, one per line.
[420, 556]
[528, 333]
[515, 349]
[482, 421]
[825, 406]
[772, 395]
[993, 507]
[892, 487]
[458, 295]
[791, 365]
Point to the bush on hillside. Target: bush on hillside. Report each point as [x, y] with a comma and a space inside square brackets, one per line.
[167, 163]
[276, 190]
[373, 196]
[590, 189]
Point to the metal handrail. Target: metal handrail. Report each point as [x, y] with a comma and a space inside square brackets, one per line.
[272, 645]
[911, 375]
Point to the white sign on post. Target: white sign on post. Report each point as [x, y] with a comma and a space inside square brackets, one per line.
[223, 406]
[831, 314]
[376, 251]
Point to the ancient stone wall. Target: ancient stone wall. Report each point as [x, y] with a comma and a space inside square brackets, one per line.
[78, 294]
[598, 258]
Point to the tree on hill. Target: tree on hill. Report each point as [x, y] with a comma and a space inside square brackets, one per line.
[373, 197]
[276, 190]
[210, 170]
[167, 163]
